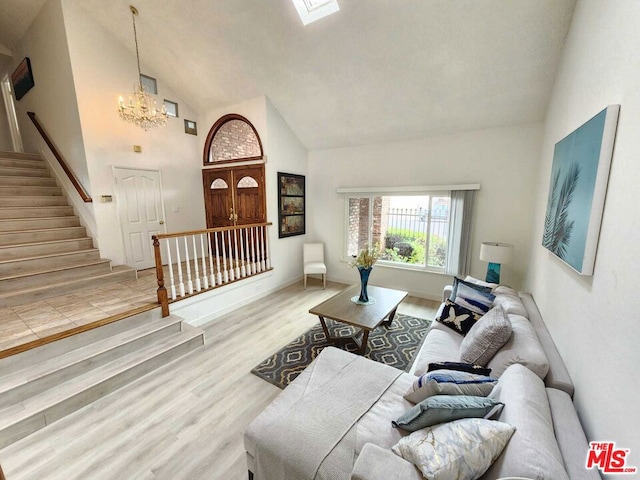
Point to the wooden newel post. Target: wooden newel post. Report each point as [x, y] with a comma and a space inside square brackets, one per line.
[163, 300]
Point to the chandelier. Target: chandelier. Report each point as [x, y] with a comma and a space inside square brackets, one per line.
[141, 110]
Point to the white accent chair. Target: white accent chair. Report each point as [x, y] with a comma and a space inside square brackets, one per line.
[313, 261]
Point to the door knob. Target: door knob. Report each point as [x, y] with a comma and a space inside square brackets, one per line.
[161, 222]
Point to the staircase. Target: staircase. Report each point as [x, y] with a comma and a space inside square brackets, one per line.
[42, 385]
[44, 251]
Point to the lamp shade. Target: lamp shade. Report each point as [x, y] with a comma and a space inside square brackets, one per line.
[493, 252]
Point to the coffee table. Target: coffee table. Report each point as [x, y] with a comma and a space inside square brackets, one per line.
[341, 309]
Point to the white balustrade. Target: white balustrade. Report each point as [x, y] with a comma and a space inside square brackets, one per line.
[217, 257]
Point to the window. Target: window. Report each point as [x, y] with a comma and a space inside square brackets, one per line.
[411, 229]
[419, 227]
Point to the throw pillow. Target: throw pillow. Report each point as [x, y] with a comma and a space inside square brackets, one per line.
[457, 318]
[449, 382]
[486, 337]
[460, 367]
[445, 408]
[473, 297]
[482, 283]
[458, 281]
[463, 449]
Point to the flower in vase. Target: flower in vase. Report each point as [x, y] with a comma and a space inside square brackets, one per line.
[367, 257]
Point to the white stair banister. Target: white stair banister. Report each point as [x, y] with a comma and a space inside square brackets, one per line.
[187, 261]
[179, 264]
[198, 285]
[172, 285]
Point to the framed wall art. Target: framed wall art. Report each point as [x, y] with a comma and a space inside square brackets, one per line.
[22, 79]
[577, 189]
[291, 205]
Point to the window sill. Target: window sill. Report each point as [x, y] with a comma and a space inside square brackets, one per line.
[400, 266]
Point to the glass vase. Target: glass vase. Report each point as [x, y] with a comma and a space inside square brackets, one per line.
[364, 279]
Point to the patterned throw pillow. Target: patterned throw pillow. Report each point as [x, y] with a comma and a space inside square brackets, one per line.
[449, 382]
[463, 449]
[446, 408]
[486, 337]
[473, 297]
[457, 318]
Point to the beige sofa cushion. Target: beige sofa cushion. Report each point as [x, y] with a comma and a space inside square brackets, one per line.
[532, 451]
[523, 347]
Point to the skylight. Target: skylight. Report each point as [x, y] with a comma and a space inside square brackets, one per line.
[312, 10]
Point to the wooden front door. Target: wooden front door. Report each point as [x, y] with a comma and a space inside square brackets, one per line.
[234, 196]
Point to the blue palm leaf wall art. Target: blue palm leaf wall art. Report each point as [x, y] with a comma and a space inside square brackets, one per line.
[575, 203]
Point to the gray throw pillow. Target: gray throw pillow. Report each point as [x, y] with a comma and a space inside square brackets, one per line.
[486, 337]
[446, 408]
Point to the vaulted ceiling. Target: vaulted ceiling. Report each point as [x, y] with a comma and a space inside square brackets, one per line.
[376, 71]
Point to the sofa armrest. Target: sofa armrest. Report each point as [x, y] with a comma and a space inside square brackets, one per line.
[570, 436]
[377, 463]
[446, 292]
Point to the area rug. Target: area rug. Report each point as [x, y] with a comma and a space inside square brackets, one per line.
[395, 345]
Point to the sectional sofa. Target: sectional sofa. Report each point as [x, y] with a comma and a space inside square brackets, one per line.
[335, 420]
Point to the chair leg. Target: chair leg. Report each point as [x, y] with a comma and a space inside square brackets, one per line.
[305, 281]
[324, 281]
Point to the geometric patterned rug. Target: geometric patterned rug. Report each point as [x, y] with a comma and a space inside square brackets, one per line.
[395, 345]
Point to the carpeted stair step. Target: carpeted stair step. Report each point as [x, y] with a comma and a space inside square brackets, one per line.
[44, 408]
[18, 224]
[24, 172]
[44, 262]
[22, 163]
[31, 212]
[41, 235]
[37, 201]
[31, 191]
[9, 181]
[27, 250]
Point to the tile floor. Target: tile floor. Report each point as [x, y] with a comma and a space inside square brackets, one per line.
[24, 323]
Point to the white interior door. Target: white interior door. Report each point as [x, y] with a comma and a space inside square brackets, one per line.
[141, 213]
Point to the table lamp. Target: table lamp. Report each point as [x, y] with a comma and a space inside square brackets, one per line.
[496, 254]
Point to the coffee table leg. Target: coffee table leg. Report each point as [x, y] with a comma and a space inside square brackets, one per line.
[392, 315]
[324, 328]
[365, 339]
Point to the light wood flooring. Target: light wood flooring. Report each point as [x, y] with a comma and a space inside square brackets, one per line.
[186, 419]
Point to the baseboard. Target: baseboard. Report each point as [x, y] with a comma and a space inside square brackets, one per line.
[412, 293]
[210, 302]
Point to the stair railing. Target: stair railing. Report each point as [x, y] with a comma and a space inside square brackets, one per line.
[201, 260]
[56, 153]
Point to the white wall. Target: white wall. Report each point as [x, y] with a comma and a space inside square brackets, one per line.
[593, 319]
[103, 69]
[502, 160]
[53, 98]
[284, 153]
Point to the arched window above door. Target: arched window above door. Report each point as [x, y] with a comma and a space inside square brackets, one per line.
[232, 139]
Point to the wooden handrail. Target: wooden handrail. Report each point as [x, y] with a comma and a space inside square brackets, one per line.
[210, 230]
[56, 153]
